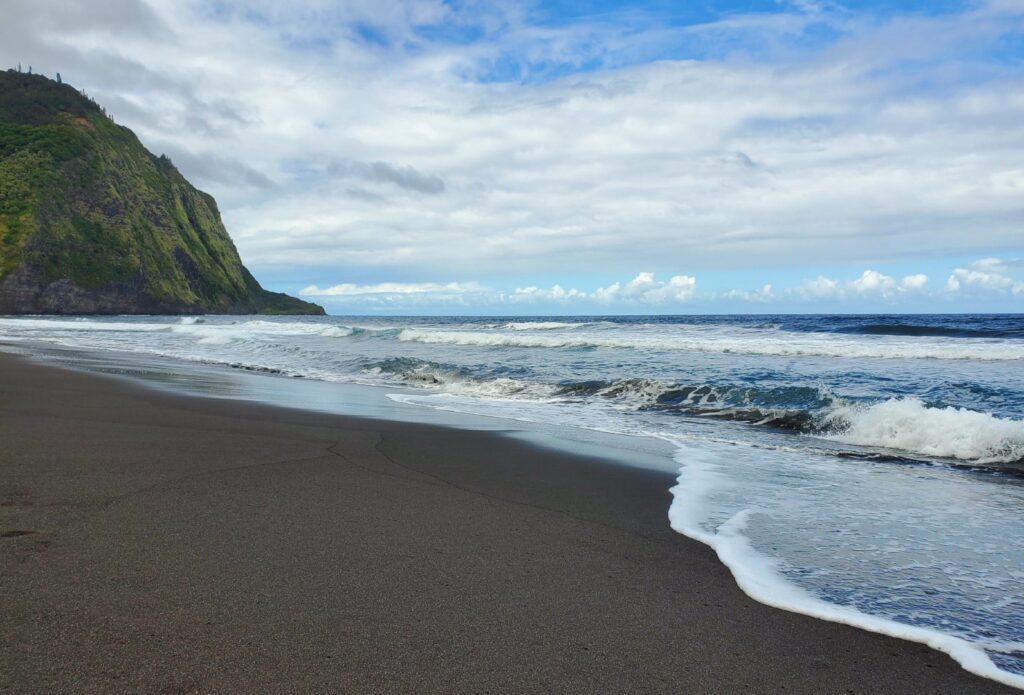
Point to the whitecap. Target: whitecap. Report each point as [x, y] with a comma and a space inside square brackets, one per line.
[907, 424]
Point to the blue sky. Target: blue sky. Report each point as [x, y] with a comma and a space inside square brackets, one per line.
[421, 156]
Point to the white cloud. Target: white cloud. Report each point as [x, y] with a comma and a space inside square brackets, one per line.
[327, 148]
[819, 287]
[991, 275]
[765, 294]
[872, 281]
[643, 289]
[349, 290]
[914, 282]
[870, 284]
[556, 293]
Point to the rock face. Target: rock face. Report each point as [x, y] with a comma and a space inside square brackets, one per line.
[93, 223]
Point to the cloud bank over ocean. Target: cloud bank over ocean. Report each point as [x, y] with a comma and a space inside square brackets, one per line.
[989, 279]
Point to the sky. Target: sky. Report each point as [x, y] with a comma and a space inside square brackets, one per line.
[531, 158]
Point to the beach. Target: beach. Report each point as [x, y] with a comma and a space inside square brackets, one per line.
[161, 543]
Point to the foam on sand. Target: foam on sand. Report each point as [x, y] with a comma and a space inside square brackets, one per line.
[695, 513]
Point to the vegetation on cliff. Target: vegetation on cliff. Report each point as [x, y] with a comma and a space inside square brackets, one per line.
[92, 222]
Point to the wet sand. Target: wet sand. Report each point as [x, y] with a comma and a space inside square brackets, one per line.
[168, 544]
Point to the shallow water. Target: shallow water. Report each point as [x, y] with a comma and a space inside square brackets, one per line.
[863, 469]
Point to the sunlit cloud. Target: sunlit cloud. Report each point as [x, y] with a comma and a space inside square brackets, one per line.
[988, 275]
[871, 283]
[642, 289]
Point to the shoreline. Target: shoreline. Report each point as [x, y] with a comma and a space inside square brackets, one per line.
[156, 541]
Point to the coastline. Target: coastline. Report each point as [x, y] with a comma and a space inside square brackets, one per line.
[191, 545]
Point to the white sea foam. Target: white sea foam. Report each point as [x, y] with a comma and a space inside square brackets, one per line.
[481, 338]
[907, 424]
[244, 330]
[438, 377]
[693, 513]
[185, 325]
[754, 345]
[19, 324]
[904, 425]
[336, 332]
[540, 325]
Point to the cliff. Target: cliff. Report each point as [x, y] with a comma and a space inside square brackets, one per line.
[93, 223]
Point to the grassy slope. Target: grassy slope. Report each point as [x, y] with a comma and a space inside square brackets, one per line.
[82, 199]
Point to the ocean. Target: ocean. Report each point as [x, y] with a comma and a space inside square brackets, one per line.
[862, 469]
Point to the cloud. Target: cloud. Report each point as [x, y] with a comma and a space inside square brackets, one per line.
[413, 297]
[404, 177]
[554, 294]
[763, 295]
[873, 281]
[643, 289]
[821, 286]
[351, 290]
[990, 275]
[914, 282]
[870, 284]
[209, 169]
[478, 140]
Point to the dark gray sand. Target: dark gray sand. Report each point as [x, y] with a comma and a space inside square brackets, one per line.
[155, 543]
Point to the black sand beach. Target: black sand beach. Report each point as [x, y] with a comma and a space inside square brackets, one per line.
[165, 544]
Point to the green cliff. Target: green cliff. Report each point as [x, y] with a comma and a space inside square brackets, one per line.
[92, 222]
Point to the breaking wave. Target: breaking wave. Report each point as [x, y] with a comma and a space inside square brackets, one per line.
[788, 347]
[900, 424]
[907, 424]
[410, 371]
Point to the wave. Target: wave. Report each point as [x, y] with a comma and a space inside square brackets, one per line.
[752, 346]
[480, 338]
[83, 325]
[913, 330]
[541, 325]
[789, 408]
[901, 424]
[907, 424]
[547, 335]
[410, 371]
[222, 334]
[910, 425]
[185, 325]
